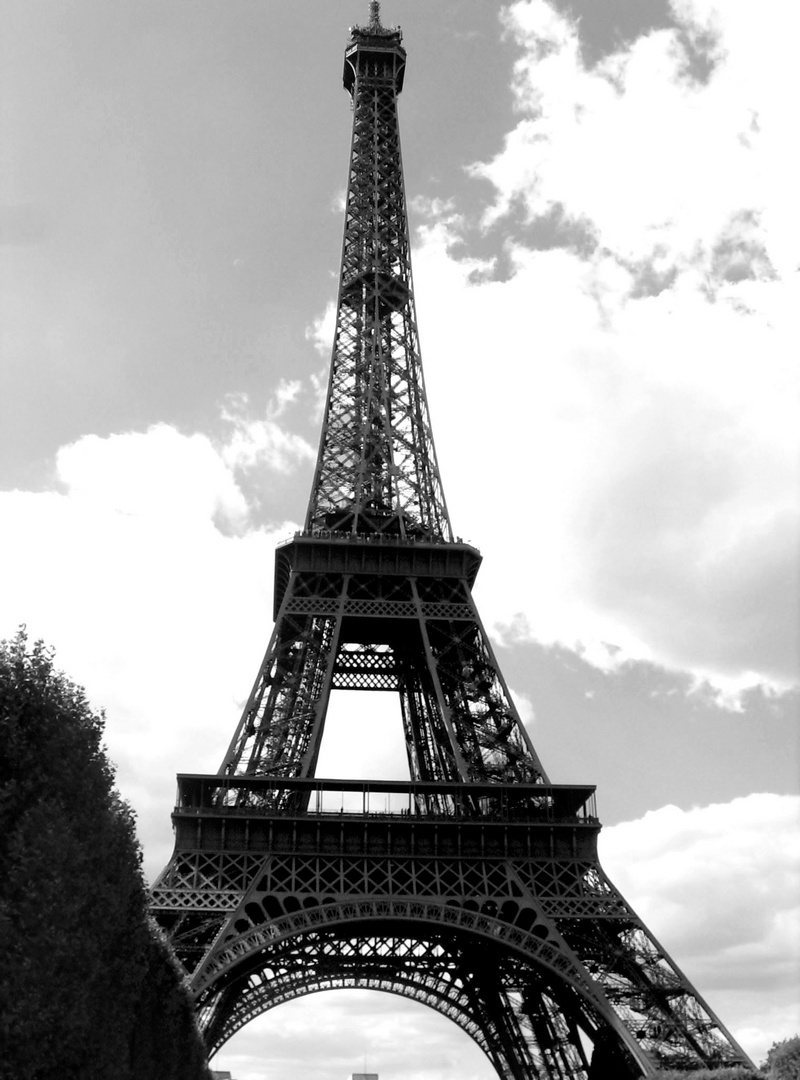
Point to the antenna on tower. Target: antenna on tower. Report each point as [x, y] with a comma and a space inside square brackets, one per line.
[375, 15]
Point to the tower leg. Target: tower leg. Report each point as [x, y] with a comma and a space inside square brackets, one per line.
[611, 1062]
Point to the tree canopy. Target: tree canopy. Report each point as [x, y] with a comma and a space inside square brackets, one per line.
[88, 990]
[783, 1060]
[726, 1072]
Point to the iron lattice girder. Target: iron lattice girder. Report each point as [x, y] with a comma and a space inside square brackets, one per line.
[408, 606]
[425, 970]
[365, 667]
[377, 469]
[325, 557]
[515, 865]
[509, 1011]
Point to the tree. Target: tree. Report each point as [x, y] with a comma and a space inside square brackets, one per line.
[79, 955]
[783, 1060]
[726, 1072]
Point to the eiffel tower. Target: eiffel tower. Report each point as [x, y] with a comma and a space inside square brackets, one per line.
[474, 887]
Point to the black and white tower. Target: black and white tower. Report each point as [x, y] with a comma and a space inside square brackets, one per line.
[473, 887]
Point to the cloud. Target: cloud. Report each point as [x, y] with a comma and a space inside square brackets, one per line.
[625, 364]
[262, 441]
[656, 164]
[720, 886]
[154, 588]
[321, 332]
[159, 473]
[397, 1038]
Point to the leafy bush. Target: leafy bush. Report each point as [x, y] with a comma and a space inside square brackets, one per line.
[735, 1072]
[783, 1063]
[783, 1060]
[87, 991]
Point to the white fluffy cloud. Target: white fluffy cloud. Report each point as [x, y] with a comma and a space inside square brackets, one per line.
[656, 164]
[720, 887]
[159, 473]
[256, 441]
[353, 1030]
[142, 576]
[631, 392]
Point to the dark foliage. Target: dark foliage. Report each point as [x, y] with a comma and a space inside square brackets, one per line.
[783, 1060]
[733, 1072]
[87, 990]
[783, 1063]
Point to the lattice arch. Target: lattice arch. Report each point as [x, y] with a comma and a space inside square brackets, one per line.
[529, 960]
[259, 999]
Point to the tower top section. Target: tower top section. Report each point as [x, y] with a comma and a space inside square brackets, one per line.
[376, 471]
[374, 51]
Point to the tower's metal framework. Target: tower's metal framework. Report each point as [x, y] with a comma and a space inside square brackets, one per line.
[474, 887]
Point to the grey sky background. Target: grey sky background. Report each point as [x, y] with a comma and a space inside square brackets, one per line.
[605, 246]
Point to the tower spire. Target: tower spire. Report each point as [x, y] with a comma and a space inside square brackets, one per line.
[376, 470]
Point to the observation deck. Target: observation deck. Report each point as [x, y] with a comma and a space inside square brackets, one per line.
[379, 554]
[387, 817]
[375, 51]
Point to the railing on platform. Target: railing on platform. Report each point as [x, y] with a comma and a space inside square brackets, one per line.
[389, 539]
[535, 803]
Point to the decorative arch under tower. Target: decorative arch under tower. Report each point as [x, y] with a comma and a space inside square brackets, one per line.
[475, 886]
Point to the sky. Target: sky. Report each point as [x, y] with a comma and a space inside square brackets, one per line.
[606, 242]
